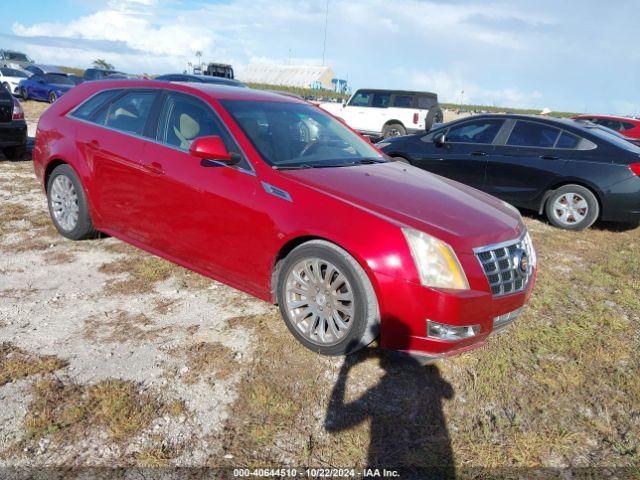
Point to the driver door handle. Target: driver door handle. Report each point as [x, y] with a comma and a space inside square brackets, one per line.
[154, 167]
[478, 153]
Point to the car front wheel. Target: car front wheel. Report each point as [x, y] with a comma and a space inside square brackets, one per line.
[68, 204]
[24, 94]
[572, 207]
[326, 299]
[52, 97]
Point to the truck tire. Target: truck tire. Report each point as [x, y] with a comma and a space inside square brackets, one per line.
[393, 130]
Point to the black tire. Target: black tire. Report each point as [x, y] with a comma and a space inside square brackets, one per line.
[587, 215]
[84, 226]
[434, 116]
[366, 315]
[52, 97]
[393, 130]
[24, 94]
[15, 153]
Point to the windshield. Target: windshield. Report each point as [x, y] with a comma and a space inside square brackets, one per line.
[294, 135]
[58, 79]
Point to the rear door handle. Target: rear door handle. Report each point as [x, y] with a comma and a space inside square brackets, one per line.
[479, 153]
[548, 157]
[154, 167]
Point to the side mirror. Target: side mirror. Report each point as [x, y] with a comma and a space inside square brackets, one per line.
[439, 140]
[212, 148]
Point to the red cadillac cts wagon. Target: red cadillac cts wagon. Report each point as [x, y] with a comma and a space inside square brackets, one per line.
[277, 198]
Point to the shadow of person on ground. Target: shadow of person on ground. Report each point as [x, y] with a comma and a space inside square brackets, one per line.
[408, 427]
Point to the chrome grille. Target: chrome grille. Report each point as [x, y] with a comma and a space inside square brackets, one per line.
[499, 265]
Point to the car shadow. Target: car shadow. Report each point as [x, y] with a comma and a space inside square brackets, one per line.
[408, 428]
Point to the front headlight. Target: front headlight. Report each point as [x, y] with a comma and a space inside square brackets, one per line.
[436, 262]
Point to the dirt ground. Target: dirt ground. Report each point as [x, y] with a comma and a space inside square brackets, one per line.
[110, 356]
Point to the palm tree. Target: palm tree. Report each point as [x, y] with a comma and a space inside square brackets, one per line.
[103, 64]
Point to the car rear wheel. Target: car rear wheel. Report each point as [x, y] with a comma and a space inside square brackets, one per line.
[326, 299]
[24, 94]
[572, 207]
[52, 97]
[393, 130]
[68, 205]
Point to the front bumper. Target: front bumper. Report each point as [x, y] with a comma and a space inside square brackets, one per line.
[406, 308]
[13, 134]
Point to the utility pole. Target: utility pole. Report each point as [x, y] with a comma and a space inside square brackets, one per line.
[324, 43]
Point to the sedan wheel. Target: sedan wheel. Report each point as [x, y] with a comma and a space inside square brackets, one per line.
[52, 97]
[572, 207]
[64, 203]
[326, 299]
[24, 94]
[68, 204]
[319, 301]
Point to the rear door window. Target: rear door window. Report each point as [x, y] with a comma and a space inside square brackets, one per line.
[403, 101]
[530, 134]
[129, 113]
[87, 109]
[381, 100]
[479, 131]
[425, 102]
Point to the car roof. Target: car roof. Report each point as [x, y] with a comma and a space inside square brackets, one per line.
[397, 92]
[215, 91]
[610, 117]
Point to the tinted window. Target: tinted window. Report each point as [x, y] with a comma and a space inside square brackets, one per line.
[381, 100]
[403, 101]
[20, 57]
[529, 134]
[612, 124]
[627, 126]
[567, 140]
[130, 112]
[58, 79]
[360, 99]
[36, 78]
[184, 119]
[89, 107]
[426, 102]
[480, 131]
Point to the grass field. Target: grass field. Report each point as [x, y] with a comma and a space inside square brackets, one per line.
[110, 356]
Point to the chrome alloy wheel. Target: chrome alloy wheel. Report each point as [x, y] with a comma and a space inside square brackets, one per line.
[319, 300]
[570, 208]
[64, 203]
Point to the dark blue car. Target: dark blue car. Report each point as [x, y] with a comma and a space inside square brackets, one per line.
[575, 172]
[47, 88]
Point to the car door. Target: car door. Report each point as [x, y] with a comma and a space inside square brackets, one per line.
[528, 162]
[356, 111]
[33, 86]
[112, 142]
[201, 212]
[463, 156]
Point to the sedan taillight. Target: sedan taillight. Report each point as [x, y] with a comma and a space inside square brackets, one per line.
[635, 168]
[18, 112]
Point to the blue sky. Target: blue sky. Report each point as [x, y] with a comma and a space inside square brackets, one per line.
[572, 55]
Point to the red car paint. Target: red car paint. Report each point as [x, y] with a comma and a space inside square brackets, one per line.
[222, 222]
[629, 127]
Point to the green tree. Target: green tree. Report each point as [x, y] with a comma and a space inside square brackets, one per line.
[102, 63]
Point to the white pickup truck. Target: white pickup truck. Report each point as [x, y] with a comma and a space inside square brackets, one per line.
[387, 113]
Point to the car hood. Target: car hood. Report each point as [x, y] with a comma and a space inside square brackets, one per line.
[460, 215]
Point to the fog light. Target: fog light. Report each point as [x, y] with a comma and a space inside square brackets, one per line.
[503, 321]
[451, 333]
